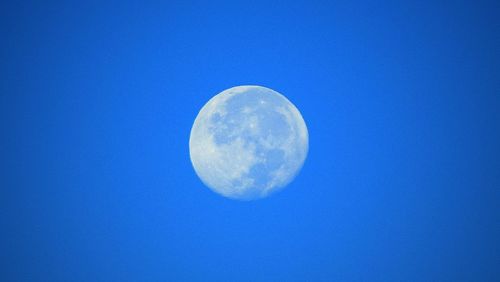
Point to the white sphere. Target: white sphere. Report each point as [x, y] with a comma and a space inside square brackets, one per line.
[248, 142]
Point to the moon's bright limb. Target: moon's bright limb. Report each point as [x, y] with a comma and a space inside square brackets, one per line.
[248, 142]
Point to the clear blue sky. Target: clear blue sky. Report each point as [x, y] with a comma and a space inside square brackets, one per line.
[401, 98]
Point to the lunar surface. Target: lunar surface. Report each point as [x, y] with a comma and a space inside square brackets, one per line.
[248, 142]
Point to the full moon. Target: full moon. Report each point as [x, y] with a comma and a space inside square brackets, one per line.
[248, 142]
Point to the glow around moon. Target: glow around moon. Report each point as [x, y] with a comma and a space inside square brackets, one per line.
[248, 142]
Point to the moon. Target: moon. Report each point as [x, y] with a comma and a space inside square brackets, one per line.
[248, 142]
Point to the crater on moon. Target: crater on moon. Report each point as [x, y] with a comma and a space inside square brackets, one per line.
[248, 142]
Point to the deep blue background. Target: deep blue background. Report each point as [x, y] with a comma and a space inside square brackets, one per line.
[401, 99]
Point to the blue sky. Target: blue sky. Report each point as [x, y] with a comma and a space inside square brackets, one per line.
[401, 101]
